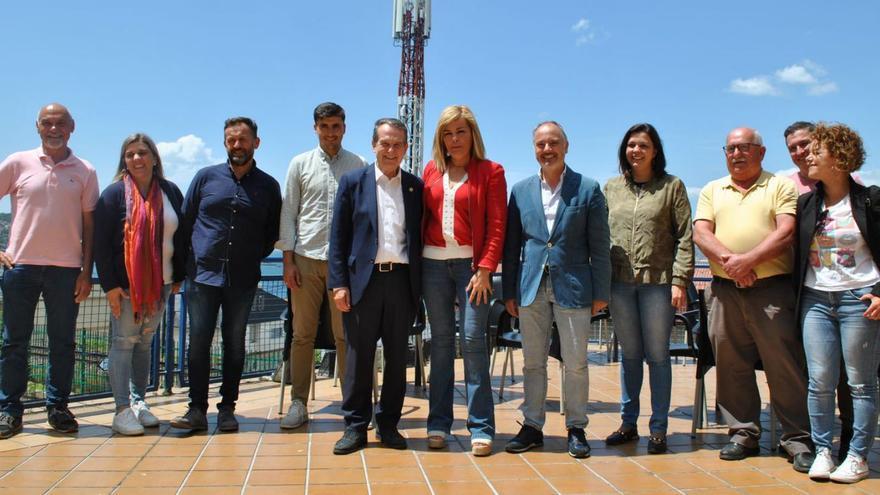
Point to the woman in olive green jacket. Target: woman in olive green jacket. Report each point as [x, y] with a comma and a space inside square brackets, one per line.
[652, 261]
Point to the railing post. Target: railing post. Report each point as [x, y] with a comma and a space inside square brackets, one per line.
[169, 345]
[181, 335]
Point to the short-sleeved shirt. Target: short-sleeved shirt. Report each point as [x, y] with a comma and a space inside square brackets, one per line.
[839, 256]
[48, 200]
[743, 220]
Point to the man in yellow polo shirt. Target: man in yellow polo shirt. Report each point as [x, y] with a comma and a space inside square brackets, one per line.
[745, 225]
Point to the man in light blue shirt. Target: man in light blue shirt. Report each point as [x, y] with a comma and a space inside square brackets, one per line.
[306, 215]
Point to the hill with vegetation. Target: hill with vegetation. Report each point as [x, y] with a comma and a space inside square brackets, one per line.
[5, 221]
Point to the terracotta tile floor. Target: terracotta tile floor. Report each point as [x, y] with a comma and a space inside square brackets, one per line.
[261, 458]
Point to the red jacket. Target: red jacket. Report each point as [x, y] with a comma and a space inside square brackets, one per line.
[488, 209]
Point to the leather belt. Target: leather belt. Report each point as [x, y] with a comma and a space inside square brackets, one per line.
[389, 266]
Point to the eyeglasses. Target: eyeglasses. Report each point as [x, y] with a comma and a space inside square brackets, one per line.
[743, 148]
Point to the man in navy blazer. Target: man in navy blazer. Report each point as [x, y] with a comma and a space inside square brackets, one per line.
[556, 267]
[375, 273]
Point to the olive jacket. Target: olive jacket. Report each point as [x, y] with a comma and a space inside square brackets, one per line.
[651, 231]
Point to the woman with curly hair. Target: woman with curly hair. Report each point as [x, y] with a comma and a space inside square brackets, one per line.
[838, 282]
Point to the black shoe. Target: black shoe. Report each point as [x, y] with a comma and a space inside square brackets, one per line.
[577, 443]
[737, 452]
[527, 438]
[622, 435]
[226, 420]
[391, 438]
[62, 420]
[846, 434]
[656, 445]
[801, 462]
[352, 441]
[193, 420]
[9, 425]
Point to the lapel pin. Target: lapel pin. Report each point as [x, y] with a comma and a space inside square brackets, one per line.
[410, 189]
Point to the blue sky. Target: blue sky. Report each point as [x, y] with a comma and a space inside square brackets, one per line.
[694, 69]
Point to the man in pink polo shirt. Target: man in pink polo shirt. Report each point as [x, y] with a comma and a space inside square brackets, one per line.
[50, 254]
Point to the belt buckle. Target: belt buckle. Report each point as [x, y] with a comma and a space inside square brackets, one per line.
[385, 267]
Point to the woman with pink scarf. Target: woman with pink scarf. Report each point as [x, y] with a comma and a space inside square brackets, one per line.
[140, 256]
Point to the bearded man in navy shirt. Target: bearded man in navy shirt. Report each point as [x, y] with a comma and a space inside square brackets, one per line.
[232, 212]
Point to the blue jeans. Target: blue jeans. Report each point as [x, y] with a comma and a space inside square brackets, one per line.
[642, 316]
[22, 286]
[444, 282]
[833, 325]
[536, 324]
[130, 345]
[203, 303]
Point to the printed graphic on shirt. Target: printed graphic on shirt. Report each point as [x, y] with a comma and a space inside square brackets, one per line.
[834, 245]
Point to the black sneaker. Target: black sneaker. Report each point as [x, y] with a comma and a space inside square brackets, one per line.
[9, 425]
[577, 443]
[62, 420]
[226, 420]
[391, 438]
[193, 420]
[527, 438]
[352, 441]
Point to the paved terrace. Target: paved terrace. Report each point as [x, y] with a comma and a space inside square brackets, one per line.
[262, 458]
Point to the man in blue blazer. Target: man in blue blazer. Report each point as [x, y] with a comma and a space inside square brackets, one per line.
[556, 267]
[375, 273]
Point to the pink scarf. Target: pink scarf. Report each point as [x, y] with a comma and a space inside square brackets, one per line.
[143, 247]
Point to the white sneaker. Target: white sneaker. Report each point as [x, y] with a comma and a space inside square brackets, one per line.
[125, 423]
[852, 469]
[297, 415]
[823, 465]
[144, 416]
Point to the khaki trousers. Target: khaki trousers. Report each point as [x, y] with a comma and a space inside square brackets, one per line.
[306, 306]
[758, 323]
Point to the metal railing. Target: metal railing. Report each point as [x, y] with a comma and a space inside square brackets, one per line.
[264, 343]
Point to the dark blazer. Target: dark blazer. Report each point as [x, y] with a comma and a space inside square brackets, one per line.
[865, 203]
[109, 222]
[354, 233]
[577, 251]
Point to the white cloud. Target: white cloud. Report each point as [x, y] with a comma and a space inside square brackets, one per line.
[584, 39]
[823, 88]
[183, 157]
[814, 68]
[753, 86]
[586, 33]
[795, 74]
[582, 24]
[808, 74]
[870, 177]
[786, 171]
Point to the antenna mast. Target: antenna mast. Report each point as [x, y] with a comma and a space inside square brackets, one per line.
[411, 27]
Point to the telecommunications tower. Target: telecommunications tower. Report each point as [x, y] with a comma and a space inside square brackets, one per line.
[411, 27]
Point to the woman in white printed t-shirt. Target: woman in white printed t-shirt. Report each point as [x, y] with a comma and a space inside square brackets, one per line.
[838, 283]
